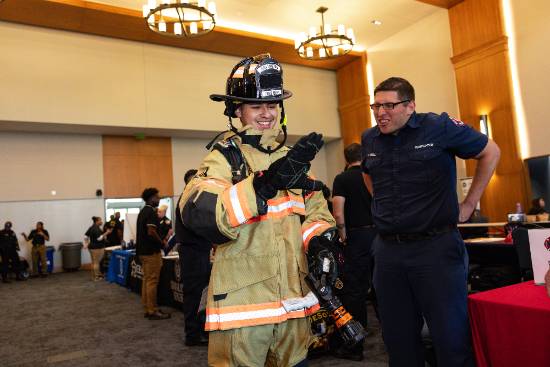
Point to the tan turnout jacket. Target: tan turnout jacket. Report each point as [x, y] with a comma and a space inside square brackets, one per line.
[259, 261]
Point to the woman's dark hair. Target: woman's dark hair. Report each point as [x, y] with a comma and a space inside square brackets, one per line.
[536, 203]
[95, 219]
[149, 193]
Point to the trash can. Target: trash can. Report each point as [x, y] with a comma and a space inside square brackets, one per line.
[71, 255]
[49, 258]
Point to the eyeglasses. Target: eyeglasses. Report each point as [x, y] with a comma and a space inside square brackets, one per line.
[387, 106]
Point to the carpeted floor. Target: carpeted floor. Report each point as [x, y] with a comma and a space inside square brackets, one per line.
[67, 320]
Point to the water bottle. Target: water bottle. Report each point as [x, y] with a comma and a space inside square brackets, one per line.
[519, 209]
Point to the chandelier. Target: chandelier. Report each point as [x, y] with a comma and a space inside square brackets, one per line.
[324, 42]
[180, 18]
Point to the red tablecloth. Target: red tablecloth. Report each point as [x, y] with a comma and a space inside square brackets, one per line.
[511, 326]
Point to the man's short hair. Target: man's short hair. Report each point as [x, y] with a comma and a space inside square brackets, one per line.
[352, 153]
[148, 193]
[188, 175]
[402, 86]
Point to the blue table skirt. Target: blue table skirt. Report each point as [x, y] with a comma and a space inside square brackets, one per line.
[118, 266]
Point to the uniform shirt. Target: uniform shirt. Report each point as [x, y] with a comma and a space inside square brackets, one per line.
[164, 227]
[94, 232]
[414, 172]
[113, 237]
[145, 244]
[8, 239]
[37, 238]
[186, 237]
[350, 185]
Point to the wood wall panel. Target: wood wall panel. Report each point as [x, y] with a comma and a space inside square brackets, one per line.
[131, 165]
[353, 100]
[474, 23]
[482, 71]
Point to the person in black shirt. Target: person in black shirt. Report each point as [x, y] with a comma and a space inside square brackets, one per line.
[97, 245]
[165, 224]
[148, 246]
[38, 236]
[114, 238]
[537, 207]
[8, 250]
[352, 211]
[195, 270]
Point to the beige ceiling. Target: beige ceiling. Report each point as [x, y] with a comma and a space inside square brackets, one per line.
[290, 17]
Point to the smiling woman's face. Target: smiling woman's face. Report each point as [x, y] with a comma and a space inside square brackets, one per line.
[260, 116]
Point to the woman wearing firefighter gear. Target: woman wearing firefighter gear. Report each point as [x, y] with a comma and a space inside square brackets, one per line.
[262, 212]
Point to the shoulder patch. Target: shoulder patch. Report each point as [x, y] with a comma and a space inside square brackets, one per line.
[457, 122]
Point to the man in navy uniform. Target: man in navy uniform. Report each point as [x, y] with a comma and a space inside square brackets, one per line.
[421, 263]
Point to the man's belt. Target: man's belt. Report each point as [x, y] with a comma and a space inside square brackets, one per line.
[419, 236]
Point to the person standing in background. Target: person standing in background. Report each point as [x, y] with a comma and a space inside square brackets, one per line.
[114, 238]
[8, 250]
[38, 236]
[195, 267]
[97, 245]
[165, 224]
[352, 211]
[148, 247]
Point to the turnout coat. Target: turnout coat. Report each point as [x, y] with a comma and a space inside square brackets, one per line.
[259, 261]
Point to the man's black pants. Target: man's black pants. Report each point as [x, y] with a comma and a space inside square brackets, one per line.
[9, 254]
[357, 273]
[195, 274]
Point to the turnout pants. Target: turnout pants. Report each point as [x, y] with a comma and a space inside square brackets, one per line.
[423, 278]
[195, 273]
[152, 265]
[273, 345]
[38, 253]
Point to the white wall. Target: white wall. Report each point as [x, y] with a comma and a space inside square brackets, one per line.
[65, 220]
[532, 37]
[51, 76]
[421, 54]
[35, 164]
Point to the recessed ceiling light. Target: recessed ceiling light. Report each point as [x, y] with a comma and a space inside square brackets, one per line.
[376, 22]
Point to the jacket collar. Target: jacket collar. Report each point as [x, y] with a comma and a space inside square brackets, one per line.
[249, 135]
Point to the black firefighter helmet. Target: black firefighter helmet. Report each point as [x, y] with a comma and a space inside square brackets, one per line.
[257, 79]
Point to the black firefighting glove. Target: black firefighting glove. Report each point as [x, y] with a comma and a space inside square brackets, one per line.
[290, 171]
[323, 255]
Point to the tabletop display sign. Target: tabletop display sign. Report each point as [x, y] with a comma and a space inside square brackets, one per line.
[539, 242]
[130, 225]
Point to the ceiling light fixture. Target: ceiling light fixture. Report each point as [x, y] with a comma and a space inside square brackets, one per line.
[376, 22]
[180, 18]
[324, 42]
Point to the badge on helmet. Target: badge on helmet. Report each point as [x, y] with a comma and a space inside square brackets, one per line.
[257, 79]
